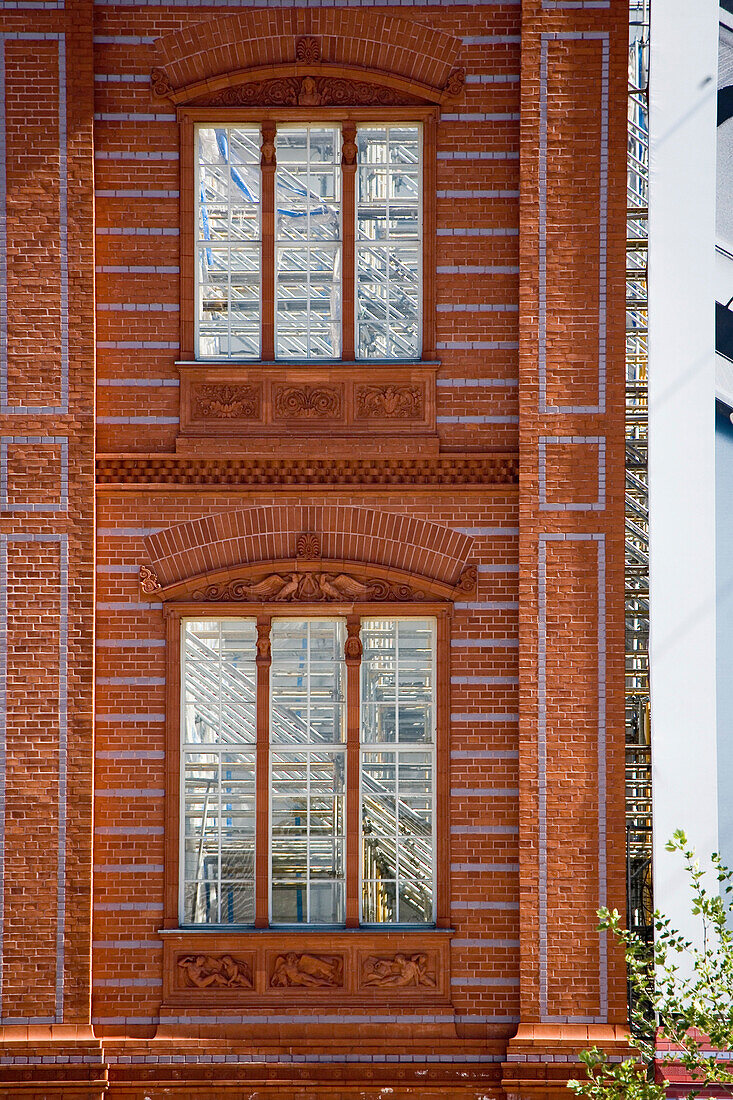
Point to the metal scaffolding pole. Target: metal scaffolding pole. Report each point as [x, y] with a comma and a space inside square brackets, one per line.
[638, 747]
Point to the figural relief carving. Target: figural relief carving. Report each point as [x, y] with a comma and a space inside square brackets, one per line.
[313, 402]
[399, 971]
[308, 588]
[402, 402]
[149, 582]
[240, 402]
[215, 972]
[293, 970]
[353, 649]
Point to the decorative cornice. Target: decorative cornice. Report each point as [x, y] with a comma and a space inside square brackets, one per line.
[181, 472]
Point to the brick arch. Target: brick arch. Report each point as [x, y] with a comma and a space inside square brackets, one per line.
[269, 533]
[349, 40]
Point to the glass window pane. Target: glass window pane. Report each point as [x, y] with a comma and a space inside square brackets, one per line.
[388, 242]
[398, 781]
[308, 242]
[307, 771]
[228, 196]
[218, 764]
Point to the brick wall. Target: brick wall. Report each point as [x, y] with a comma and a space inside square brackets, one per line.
[529, 329]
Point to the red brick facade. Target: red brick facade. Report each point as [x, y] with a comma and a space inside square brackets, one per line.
[510, 465]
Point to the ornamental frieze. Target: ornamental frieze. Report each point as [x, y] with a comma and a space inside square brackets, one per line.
[306, 91]
[274, 966]
[308, 588]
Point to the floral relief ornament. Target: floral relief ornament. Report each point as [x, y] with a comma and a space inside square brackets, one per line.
[226, 402]
[308, 50]
[404, 402]
[308, 545]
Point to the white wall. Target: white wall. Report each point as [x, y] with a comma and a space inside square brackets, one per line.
[682, 435]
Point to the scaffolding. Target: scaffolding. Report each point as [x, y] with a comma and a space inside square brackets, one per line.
[638, 746]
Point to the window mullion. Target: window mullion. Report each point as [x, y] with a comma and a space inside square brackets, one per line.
[268, 165]
[429, 184]
[353, 652]
[348, 234]
[262, 786]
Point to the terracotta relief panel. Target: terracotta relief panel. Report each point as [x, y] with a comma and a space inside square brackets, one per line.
[265, 968]
[214, 972]
[301, 970]
[243, 403]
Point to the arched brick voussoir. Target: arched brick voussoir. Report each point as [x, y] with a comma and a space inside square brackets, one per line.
[250, 535]
[351, 37]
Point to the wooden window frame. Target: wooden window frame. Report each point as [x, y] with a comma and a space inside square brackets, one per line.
[263, 614]
[268, 117]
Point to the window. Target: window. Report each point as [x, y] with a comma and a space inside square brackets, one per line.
[336, 270]
[343, 741]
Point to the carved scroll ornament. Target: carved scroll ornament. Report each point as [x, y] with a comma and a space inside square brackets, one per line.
[400, 402]
[162, 86]
[456, 83]
[293, 970]
[468, 580]
[308, 588]
[149, 582]
[312, 402]
[398, 972]
[215, 972]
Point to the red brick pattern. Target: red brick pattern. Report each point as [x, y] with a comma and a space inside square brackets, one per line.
[366, 41]
[270, 533]
[527, 983]
[47, 520]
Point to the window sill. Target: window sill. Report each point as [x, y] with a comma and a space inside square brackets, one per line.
[368, 966]
[307, 364]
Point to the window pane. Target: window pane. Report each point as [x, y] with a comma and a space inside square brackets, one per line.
[307, 771]
[398, 780]
[308, 242]
[218, 764]
[388, 242]
[228, 242]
